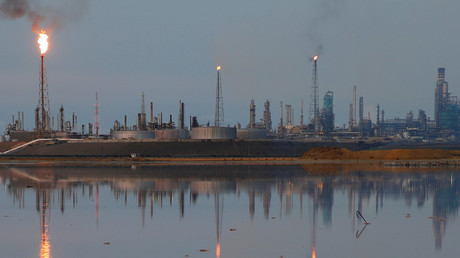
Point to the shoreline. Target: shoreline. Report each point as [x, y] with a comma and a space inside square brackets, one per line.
[234, 161]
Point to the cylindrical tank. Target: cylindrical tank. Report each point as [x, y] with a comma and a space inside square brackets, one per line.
[251, 133]
[213, 133]
[172, 134]
[133, 135]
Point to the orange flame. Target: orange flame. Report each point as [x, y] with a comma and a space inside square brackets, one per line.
[218, 68]
[218, 251]
[315, 58]
[313, 253]
[43, 42]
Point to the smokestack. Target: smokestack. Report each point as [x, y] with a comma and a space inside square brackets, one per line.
[361, 110]
[252, 115]
[139, 121]
[143, 104]
[301, 114]
[350, 118]
[37, 119]
[151, 112]
[73, 120]
[281, 114]
[61, 119]
[22, 121]
[182, 115]
[126, 122]
[354, 106]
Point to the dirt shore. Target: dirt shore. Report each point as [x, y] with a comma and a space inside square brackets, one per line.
[380, 155]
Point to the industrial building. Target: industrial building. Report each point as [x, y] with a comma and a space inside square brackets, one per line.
[445, 106]
[327, 117]
[256, 130]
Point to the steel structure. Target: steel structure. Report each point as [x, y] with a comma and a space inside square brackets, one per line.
[219, 115]
[314, 109]
[43, 101]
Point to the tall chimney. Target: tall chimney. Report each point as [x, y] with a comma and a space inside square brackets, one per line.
[61, 119]
[354, 106]
[252, 115]
[151, 112]
[281, 114]
[350, 117]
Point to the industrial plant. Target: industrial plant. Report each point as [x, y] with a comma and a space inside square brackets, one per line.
[320, 126]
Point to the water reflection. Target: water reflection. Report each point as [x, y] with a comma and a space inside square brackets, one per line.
[165, 186]
[45, 246]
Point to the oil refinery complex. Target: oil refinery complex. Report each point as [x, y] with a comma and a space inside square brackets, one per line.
[319, 129]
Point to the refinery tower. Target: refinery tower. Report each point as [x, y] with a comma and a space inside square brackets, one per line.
[445, 106]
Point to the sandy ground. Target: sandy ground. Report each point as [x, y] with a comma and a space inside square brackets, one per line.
[380, 155]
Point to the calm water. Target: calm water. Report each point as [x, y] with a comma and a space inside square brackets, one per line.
[233, 211]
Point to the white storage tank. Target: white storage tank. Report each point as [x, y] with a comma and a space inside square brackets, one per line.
[213, 133]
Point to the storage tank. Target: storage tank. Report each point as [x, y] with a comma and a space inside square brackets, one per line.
[213, 133]
[133, 135]
[172, 134]
[252, 133]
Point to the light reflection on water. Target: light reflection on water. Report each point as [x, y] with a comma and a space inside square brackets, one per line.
[233, 211]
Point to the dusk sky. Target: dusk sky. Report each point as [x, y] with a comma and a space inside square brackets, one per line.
[170, 49]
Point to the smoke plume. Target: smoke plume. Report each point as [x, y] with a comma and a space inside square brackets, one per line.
[324, 12]
[50, 15]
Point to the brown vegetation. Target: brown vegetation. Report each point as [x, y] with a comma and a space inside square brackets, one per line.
[393, 154]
